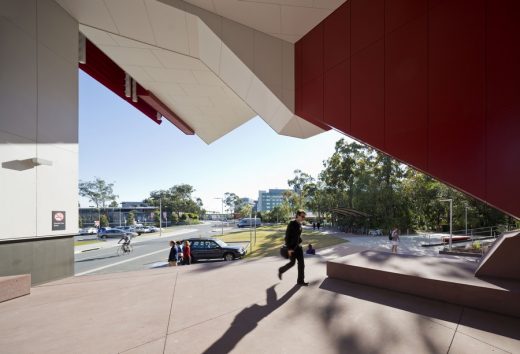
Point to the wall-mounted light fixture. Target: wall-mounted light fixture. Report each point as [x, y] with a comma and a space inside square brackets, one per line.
[134, 91]
[128, 85]
[82, 43]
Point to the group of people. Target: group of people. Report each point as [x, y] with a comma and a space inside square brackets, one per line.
[316, 225]
[180, 253]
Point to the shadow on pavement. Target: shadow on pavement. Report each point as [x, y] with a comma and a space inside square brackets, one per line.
[487, 321]
[247, 320]
[96, 258]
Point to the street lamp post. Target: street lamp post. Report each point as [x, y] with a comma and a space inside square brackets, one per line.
[221, 215]
[466, 218]
[160, 217]
[451, 218]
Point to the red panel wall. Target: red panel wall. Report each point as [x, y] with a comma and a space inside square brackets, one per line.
[367, 119]
[433, 83]
[456, 94]
[406, 84]
[503, 104]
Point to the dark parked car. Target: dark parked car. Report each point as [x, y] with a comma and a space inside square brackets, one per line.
[210, 248]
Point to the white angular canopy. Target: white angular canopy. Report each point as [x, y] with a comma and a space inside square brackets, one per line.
[215, 69]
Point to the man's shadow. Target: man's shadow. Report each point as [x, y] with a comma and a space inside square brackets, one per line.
[247, 320]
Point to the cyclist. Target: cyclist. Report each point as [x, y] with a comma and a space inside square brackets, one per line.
[126, 242]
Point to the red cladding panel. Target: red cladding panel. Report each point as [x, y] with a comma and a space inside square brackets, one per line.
[431, 82]
[335, 100]
[406, 100]
[311, 54]
[401, 12]
[367, 95]
[456, 94]
[368, 20]
[335, 38]
[503, 104]
[312, 100]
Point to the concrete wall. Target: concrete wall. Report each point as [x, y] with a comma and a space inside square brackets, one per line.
[45, 259]
[38, 119]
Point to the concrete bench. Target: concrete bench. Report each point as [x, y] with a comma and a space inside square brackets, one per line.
[14, 286]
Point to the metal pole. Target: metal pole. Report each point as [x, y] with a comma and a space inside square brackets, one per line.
[160, 217]
[451, 221]
[451, 217]
[466, 219]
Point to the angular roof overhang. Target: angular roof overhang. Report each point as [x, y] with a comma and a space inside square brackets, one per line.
[203, 72]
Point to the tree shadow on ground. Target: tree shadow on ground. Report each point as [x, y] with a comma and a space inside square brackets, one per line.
[247, 320]
[426, 307]
[95, 258]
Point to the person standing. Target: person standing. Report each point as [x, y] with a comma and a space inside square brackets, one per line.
[172, 258]
[186, 253]
[178, 245]
[293, 241]
[395, 239]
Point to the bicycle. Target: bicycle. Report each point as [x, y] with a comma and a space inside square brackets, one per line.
[121, 249]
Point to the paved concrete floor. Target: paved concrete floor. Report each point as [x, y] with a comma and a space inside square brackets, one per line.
[242, 307]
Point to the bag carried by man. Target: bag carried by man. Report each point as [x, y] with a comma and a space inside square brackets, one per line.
[284, 252]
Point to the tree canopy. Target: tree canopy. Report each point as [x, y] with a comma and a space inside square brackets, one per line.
[361, 178]
[177, 199]
[98, 192]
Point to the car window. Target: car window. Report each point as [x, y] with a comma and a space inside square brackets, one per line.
[221, 243]
[196, 244]
[212, 244]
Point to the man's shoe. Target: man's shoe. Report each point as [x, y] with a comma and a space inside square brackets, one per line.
[279, 275]
[302, 283]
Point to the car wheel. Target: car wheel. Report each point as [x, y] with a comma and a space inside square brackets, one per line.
[228, 257]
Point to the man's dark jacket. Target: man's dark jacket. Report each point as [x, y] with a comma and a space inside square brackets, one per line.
[292, 235]
[173, 253]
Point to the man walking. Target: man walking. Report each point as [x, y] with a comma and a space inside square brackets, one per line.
[293, 241]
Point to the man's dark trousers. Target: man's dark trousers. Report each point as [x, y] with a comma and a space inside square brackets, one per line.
[296, 255]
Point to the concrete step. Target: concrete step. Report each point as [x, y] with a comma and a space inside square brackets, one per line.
[14, 286]
[445, 279]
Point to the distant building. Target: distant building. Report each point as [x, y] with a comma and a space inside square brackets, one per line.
[134, 205]
[267, 200]
[246, 200]
[143, 214]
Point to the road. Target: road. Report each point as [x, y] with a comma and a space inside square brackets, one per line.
[148, 251]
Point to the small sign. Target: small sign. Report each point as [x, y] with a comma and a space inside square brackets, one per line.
[58, 220]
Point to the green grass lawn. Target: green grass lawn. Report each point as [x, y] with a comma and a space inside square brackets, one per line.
[88, 242]
[269, 239]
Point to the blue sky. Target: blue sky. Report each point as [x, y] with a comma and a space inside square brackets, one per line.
[122, 146]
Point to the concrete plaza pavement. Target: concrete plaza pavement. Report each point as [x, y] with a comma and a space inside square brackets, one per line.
[242, 307]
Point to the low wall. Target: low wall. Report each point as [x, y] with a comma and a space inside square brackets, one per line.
[44, 258]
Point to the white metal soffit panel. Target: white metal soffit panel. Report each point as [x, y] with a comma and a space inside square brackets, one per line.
[286, 19]
[180, 60]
